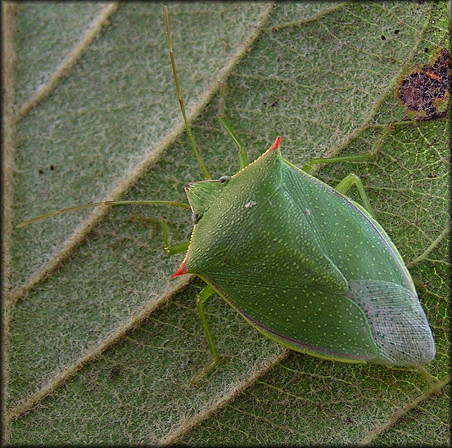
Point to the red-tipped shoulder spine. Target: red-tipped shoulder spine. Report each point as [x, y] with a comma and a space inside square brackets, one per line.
[182, 270]
[275, 145]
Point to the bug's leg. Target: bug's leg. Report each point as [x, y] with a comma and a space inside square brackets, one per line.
[321, 160]
[308, 165]
[169, 250]
[174, 248]
[426, 253]
[427, 375]
[200, 299]
[243, 158]
[353, 180]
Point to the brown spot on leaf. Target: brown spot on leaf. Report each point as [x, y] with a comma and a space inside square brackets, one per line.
[426, 92]
[113, 372]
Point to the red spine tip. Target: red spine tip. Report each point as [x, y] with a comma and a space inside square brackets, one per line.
[275, 145]
[182, 270]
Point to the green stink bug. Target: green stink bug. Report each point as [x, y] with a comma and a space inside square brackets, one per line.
[325, 269]
[306, 266]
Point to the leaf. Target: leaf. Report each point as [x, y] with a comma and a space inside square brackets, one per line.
[86, 329]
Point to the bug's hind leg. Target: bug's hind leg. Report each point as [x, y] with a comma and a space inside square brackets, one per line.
[200, 299]
[243, 158]
[169, 250]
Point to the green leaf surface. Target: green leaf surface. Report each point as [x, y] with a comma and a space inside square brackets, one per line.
[102, 345]
[41, 26]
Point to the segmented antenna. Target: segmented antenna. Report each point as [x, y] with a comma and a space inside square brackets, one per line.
[179, 96]
[97, 204]
[113, 203]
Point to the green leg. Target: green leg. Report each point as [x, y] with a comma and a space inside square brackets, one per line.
[243, 158]
[424, 256]
[347, 182]
[174, 248]
[200, 299]
[427, 375]
[169, 250]
[350, 180]
[308, 165]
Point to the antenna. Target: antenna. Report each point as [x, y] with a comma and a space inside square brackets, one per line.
[179, 96]
[97, 204]
[152, 202]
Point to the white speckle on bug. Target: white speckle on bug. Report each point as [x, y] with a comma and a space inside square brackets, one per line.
[250, 204]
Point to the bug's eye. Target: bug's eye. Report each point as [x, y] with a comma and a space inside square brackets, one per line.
[195, 217]
[223, 179]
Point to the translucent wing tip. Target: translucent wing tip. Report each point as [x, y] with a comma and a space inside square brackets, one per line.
[397, 321]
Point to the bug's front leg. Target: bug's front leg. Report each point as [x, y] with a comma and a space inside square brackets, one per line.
[169, 249]
[200, 299]
[243, 158]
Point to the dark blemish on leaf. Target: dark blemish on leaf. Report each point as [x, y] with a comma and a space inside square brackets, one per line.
[426, 92]
[114, 372]
[40, 171]
[396, 31]
[275, 102]
[383, 37]
[52, 167]
[412, 416]
[426, 50]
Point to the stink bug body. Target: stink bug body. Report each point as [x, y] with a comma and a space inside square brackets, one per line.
[330, 282]
[302, 263]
